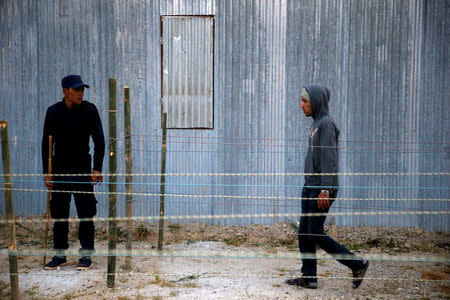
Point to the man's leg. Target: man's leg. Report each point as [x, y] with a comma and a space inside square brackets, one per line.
[305, 243]
[327, 243]
[86, 205]
[59, 209]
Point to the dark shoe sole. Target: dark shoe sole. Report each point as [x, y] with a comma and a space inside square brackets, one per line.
[357, 282]
[300, 282]
[54, 268]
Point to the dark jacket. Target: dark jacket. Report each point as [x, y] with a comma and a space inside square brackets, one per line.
[71, 130]
[323, 151]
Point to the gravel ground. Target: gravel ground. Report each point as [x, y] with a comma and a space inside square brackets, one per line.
[256, 261]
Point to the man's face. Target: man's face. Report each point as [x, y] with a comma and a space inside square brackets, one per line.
[74, 96]
[306, 107]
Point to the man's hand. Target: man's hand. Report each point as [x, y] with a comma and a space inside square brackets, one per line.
[97, 177]
[323, 201]
[48, 182]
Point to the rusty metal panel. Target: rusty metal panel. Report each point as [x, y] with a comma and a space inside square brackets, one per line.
[187, 71]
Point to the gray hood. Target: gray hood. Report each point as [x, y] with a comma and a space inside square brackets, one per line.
[319, 97]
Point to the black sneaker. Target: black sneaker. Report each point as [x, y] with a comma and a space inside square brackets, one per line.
[56, 262]
[84, 263]
[360, 275]
[302, 282]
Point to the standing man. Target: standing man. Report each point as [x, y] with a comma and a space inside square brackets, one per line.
[72, 122]
[320, 191]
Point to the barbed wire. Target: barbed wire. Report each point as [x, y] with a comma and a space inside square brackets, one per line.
[203, 226]
[303, 140]
[305, 146]
[217, 196]
[342, 150]
[237, 174]
[235, 253]
[190, 276]
[231, 216]
[121, 183]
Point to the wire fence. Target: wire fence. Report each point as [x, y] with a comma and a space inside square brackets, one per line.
[20, 182]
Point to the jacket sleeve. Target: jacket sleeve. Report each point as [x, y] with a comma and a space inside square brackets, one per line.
[48, 124]
[98, 138]
[328, 158]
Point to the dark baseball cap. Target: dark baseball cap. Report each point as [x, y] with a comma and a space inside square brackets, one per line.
[73, 81]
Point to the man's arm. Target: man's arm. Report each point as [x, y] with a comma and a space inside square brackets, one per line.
[45, 150]
[99, 146]
[328, 162]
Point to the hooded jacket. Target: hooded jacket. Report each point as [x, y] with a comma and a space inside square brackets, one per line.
[323, 151]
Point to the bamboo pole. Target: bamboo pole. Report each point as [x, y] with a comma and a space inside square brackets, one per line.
[112, 185]
[162, 189]
[47, 211]
[128, 179]
[9, 208]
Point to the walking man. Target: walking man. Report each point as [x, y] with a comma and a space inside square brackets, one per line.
[320, 191]
[72, 122]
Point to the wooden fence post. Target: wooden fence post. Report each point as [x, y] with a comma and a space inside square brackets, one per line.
[162, 189]
[9, 208]
[47, 210]
[129, 178]
[112, 223]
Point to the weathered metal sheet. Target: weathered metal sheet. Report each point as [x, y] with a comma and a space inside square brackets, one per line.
[385, 62]
[187, 71]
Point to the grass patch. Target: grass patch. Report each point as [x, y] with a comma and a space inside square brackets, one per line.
[443, 245]
[141, 232]
[435, 275]
[185, 278]
[188, 284]
[32, 291]
[191, 285]
[325, 274]
[294, 225]
[321, 262]
[283, 270]
[232, 242]
[355, 246]
[390, 288]
[4, 293]
[391, 243]
[68, 296]
[373, 242]
[288, 242]
[408, 267]
[444, 288]
[175, 226]
[162, 282]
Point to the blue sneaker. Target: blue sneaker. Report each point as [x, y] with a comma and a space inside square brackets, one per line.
[56, 262]
[359, 275]
[84, 263]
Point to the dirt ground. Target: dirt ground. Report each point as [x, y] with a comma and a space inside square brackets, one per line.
[201, 261]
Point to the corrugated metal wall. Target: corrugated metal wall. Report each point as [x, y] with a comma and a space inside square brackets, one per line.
[187, 46]
[386, 63]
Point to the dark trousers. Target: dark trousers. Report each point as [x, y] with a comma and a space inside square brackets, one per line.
[311, 233]
[86, 208]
